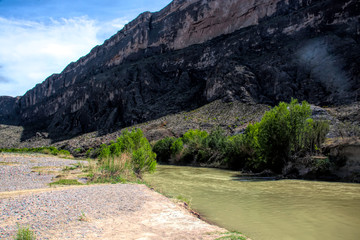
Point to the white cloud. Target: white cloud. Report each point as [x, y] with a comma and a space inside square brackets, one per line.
[110, 28]
[31, 51]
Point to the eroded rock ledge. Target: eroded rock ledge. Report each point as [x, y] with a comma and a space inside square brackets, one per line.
[193, 52]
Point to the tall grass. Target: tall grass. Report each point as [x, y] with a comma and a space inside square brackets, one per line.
[127, 158]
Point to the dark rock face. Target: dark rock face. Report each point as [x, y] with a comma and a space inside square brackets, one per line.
[194, 52]
[8, 106]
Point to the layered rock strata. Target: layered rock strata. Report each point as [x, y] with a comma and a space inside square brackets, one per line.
[193, 52]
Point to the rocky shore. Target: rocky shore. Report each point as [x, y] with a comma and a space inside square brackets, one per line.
[117, 211]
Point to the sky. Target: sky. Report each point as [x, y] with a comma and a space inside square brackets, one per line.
[41, 37]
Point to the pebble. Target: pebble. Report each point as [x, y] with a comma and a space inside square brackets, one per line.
[19, 176]
[50, 211]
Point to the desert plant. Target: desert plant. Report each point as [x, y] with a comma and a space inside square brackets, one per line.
[83, 217]
[24, 233]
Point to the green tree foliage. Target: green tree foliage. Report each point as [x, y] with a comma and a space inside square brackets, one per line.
[195, 150]
[168, 148]
[284, 133]
[195, 146]
[194, 136]
[177, 146]
[314, 135]
[243, 151]
[280, 132]
[163, 150]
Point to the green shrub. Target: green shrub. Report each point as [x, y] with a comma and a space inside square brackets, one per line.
[78, 150]
[177, 146]
[25, 233]
[195, 150]
[314, 135]
[163, 150]
[216, 143]
[90, 153]
[216, 140]
[283, 133]
[104, 152]
[143, 158]
[199, 147]
[63, 152]
[274, 136]
[194, 136]
[131, 152]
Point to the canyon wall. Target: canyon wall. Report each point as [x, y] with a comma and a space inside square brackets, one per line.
[196, 51]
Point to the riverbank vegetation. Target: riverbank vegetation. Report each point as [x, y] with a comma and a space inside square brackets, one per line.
[44, 150]
[127, 158]
[284, 134]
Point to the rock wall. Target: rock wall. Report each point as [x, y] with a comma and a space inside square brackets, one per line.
[194, 52]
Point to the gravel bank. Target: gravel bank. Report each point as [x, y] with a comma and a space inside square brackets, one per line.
[52, 210]
[121, 211]
[16, 170]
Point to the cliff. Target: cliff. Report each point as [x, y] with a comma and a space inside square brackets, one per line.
[194, 52]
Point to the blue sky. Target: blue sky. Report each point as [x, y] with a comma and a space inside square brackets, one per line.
[41, 37]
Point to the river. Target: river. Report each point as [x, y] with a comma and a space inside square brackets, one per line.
[266, 210]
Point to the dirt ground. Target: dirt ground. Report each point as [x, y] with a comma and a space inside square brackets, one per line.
[110, 211]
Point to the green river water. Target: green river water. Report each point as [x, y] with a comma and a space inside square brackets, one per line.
[266, 210]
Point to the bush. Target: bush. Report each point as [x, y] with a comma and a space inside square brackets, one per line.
[283, 133]
[216, 140]
[195, 150]
[243, 151]
[63, 153]
[168, 148]
[25, 233]
[90, 153]
[163, 150]
[177, 146]
[194, 136]
[104, 152]
[199, 147]
[314, 135]
[130, 153]
[143, 158]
